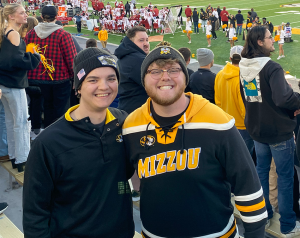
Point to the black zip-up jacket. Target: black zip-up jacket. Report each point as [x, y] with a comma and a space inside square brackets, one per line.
[14, 64]
[132, 93]
[239, 18]
[202, 82]
[269, 101]
[195, 16]
[76, 181]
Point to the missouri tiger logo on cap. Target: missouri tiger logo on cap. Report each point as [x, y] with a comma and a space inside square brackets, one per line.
[165, 50]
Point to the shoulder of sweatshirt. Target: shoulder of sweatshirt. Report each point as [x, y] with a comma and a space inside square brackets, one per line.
[272, 66]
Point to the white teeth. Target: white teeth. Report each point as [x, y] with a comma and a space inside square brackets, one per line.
[165, 87]
[102, 95]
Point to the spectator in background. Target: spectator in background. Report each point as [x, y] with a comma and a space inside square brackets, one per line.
[90, 43]
[216, 14]
[188, 12]
[213, 21]
[103, 36]
[31, 23]
[228, 94]
[155, 11]
[257, 21]
[186, 53]
[55, 86]
[249, 20]
[202, 82]
[203, 17]
[269, 25]
[266, 93]
[280, 32]
[14, 65]
[3, 136]
[127, 9]
[78, 22]
[219, 14]
[196, 20]
[253, 14]
[239, 22]
[224, 17]
[40, 19]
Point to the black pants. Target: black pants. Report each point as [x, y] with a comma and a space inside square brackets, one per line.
[127, 11]
[213, 32]
[78, 27]
[35, 106]
[56, 100]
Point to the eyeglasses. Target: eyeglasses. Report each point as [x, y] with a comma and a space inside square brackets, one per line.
[269, 37]
[158, 73]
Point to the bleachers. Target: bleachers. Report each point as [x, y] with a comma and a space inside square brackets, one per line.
[19, 177]
[8, 229]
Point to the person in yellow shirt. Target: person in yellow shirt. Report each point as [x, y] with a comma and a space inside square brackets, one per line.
[103, 36]
[228, 95]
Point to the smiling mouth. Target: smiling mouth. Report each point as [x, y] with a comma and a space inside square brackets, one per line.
[101, 95]
[165, 87]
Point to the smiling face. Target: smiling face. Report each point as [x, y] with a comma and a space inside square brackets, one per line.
[141, 40]
[19, 17]
[165, 90]
[99, 89]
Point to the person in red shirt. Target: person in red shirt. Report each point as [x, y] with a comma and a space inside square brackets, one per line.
[188, 12]
[101, 5]
[155, 11]
[224, 17]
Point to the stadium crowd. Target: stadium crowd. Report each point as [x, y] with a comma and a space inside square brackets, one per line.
[81, 124]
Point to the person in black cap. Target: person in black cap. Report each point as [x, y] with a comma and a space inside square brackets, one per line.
[268, 24]
[76, 177]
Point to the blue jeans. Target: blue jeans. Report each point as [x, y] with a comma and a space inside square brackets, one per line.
[196, 29]
[283, 154]
[248, 140]
[3, 139]
[239, 29]
[203, 23]
[17, 125]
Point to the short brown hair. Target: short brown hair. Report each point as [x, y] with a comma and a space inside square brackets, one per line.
[48, 18]
[90, 43]
[186, 53]
[132, 31]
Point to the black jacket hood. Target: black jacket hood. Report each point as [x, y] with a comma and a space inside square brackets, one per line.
[127, 47]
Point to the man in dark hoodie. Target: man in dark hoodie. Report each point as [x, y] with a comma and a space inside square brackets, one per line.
[270, 108]
[58, 48]
[131, 53]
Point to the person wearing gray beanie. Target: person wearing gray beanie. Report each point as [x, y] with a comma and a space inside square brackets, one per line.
[202, 81]
[84, 145]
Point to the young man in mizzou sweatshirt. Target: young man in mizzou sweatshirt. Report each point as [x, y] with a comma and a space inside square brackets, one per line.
[189, 157]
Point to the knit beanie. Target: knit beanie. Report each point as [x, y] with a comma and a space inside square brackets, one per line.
[163, 51]
[89, 59]
[204, 56]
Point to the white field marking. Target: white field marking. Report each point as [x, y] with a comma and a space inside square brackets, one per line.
[252, 3]
[274, 16]
[171, 37]
[294, 22]
[293, 11]
[297, 13]
[161, 5]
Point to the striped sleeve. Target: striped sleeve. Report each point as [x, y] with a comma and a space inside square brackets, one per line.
[245, 184]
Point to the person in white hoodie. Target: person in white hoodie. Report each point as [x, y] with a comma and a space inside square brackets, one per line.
[271, 106]
[59, 50]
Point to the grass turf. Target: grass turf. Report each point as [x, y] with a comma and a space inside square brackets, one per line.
[271, 9]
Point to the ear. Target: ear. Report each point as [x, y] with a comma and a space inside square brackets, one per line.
[260, 42]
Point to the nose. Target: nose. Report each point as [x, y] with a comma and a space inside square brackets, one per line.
[102, 84]
[165, 75]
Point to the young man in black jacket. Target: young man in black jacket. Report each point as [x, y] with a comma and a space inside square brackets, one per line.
[131, 53]
[239, 22]
[213, 21]
[268, 24]
[76, 174]
[196, 20]
[270, 107]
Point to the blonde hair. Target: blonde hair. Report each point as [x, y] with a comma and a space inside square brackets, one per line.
[31, 23]
[9, 9]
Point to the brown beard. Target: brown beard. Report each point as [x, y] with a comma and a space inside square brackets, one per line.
[164, 101]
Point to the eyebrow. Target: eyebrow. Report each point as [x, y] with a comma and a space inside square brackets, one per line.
[96, 77]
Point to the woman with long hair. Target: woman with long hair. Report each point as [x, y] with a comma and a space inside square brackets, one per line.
[31, 23]
[14, 63]
[280, 32]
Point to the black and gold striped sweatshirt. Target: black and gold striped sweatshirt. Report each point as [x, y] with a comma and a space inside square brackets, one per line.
[187, 177]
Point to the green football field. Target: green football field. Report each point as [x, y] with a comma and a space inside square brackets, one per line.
[271, 9]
